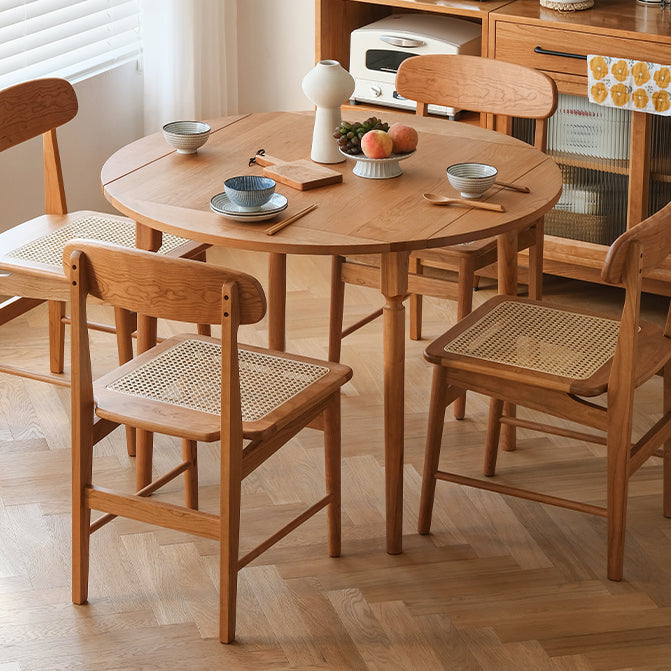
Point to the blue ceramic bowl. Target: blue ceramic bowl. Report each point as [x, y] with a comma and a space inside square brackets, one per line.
[249, 191]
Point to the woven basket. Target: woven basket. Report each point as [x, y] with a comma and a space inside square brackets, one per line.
[567, 5]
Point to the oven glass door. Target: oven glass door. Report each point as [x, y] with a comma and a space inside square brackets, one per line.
[384, 60]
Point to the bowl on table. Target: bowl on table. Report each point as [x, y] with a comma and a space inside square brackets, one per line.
[471, 179]
[186, 136]
[249, 192]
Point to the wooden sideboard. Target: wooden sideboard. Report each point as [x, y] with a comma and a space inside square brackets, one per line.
[612, 191]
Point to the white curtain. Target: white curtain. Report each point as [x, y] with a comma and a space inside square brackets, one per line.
[190, 60]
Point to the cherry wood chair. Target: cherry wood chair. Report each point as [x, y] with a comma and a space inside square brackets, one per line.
[556, 360]
[480, 85]
[31, 269]
[197, 388]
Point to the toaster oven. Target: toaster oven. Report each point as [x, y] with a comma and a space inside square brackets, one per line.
[377, 50]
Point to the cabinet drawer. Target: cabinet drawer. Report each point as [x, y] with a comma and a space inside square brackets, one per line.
[516, 43]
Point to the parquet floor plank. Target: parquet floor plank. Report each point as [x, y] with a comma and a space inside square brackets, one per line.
[500, 584]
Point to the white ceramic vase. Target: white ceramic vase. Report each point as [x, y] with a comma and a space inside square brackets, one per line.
[328, 85]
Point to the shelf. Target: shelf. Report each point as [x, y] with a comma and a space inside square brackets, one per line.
[471, 118]
[464, 8]
[616, 166]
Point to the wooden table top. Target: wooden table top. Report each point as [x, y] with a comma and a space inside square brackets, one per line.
[149, 182]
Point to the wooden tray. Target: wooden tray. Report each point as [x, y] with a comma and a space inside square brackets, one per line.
[301, 174]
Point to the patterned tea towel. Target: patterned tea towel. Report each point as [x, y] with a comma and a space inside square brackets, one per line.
[629, 84]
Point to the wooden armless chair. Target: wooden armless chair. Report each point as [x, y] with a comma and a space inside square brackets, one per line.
[480, 85]
[196, 388]
[555, 360]
[31, 269]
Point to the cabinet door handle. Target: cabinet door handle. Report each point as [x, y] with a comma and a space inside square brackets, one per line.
[565, 54]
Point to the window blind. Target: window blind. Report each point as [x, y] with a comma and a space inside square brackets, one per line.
[73, 39]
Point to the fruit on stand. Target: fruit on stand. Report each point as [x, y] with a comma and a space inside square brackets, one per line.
[404, 138]
[349, 134]
[376, 144]
[353, 138]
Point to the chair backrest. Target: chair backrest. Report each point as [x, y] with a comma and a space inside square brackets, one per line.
[480, 85]
[36, 108]
[159, 286]
[637, 251]
[652, 241]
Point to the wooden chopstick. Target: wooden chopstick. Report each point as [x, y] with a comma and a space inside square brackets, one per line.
[290, 220]
[514, 187]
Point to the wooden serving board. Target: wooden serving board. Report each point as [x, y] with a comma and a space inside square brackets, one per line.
[301, 174]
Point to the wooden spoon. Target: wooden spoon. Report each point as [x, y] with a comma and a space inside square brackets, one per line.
[444, 200]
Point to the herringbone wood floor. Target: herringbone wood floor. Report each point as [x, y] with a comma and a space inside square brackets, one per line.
[501, 584]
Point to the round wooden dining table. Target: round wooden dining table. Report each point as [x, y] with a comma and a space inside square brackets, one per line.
[168, 192]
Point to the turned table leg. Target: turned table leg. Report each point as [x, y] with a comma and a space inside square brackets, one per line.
[394, 286]
[277, 301]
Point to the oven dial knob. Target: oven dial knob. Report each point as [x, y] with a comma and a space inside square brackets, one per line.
[375, 91]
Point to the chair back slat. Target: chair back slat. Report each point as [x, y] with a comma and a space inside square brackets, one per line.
[652, 236]
[164, 287]
[477, 84]
[32, 108]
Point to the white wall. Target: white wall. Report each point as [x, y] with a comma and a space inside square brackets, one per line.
[276, 48]
[276, 41]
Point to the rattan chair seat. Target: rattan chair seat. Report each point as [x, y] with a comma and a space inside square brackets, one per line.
[188, 375]
[48, 249]
[539, 338]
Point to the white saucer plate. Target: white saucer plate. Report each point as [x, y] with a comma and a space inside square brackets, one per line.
[221, 204]
[250, 218]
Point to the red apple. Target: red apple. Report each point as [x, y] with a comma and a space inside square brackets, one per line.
[404, 138]
[376, 144]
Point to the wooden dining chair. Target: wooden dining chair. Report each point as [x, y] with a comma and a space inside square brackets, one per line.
[479, 85]
[197, 388]
[556, 360]
[31, 269]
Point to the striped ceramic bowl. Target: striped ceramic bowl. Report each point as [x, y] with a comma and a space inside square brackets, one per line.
[471, 179]
[186, 136]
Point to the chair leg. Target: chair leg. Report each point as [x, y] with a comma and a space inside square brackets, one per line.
[337, 308]
[437, 406]
[493, 435]
[125, 325]
[190, 456]
[56, 336]
[667, 446]
[332, 460]
[415, 303]
[82, 462]
[509, 436]
[465, 285]
[229, 538]
[618, 486]
[618, 448]
[536, 264]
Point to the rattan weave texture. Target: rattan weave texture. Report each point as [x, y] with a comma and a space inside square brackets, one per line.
[567, 5]
[540, 338]
[48, 249]
[189, 375]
